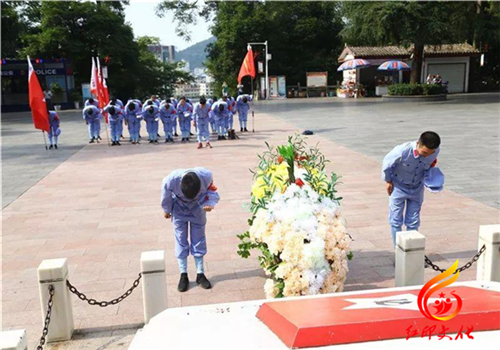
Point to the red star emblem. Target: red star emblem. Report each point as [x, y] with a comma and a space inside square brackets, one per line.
[441, 295]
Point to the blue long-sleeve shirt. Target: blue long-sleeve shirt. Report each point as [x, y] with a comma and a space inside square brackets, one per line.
[172, 193]
[201, 113]
[167, 114]
[118, 116]
[216, 113]
[183, 110]
[96, 113]
[147, 115]
[405, 167]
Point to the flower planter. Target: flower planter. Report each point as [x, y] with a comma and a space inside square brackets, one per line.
[414, 98]
[296, 223]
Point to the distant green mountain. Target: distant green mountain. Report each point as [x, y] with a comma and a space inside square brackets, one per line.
[194, 54]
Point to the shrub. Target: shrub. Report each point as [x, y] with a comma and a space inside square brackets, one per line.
[433, 89]
[415, 89]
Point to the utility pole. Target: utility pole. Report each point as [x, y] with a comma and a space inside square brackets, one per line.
[267, 58]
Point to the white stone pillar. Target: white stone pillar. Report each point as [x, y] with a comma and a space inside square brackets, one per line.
[154, 283]
[55, 272]
[410, 249]
[14, 340]
[488, 265]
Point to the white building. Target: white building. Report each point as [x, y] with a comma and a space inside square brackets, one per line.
[191, 91]
[194, 90]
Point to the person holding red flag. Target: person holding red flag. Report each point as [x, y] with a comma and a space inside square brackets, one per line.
[38, 106]
[54, 131]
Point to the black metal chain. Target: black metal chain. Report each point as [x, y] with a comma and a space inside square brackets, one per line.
[47, 319]
[463, 268]
[83, 297]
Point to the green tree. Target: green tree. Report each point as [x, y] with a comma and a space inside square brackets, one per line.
[409, 23]
[81, 30]
[302, 36]
[11, 29]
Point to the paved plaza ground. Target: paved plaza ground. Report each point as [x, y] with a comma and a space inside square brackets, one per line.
[99, 206]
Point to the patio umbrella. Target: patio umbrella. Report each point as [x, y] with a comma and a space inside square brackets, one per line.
[354, 64]
[394, 66]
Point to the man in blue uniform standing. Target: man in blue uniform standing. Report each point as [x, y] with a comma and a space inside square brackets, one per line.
[54, 130]
[92, 116]
[220, 113]
[185, 113]
[242, 106]
[167, 116]
[115, 122]
[187, 195]
[406, 170]
[133, 120]
[150, 115]
[201, 121]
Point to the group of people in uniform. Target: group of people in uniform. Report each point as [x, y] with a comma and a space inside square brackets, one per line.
[206, 114]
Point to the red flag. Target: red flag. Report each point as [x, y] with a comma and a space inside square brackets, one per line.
[93, 80]
[37, 101]
[102, 89]
[248, 66]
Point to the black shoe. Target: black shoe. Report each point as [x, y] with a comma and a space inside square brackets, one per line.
[183, 283]
[55, 146]
[50, 147]
[140, 136]
[121, 136]
[219, 138]
[156, 142]
[166, 140]
[191, 134]
[113, 143]
[150, 141]
[118, 143]
[99, 137]
[246, 129]
[241, 129]
[176, 135]
[203, 281]
[158, 135]
[91, 141]
[223, 138]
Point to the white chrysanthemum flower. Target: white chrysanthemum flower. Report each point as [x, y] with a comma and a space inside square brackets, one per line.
[309, 235]
[270, 288]
[314, 254]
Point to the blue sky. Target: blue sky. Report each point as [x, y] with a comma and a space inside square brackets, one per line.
[141, 15]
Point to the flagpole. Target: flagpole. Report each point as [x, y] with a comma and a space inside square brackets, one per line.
[251, 104]
[101, 98]
[44, 140]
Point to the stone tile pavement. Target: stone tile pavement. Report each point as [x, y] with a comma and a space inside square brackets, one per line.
[469, 125]
[100, 209]
[24, 158]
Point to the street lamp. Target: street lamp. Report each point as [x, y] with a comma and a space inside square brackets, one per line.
[268, 57]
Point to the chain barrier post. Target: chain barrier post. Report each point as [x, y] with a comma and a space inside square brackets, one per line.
[488, 264]
[154, 286]
[55, 272]
[410, 249]
[14, 340]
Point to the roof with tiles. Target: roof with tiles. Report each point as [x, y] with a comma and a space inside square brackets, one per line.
[400, 51]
